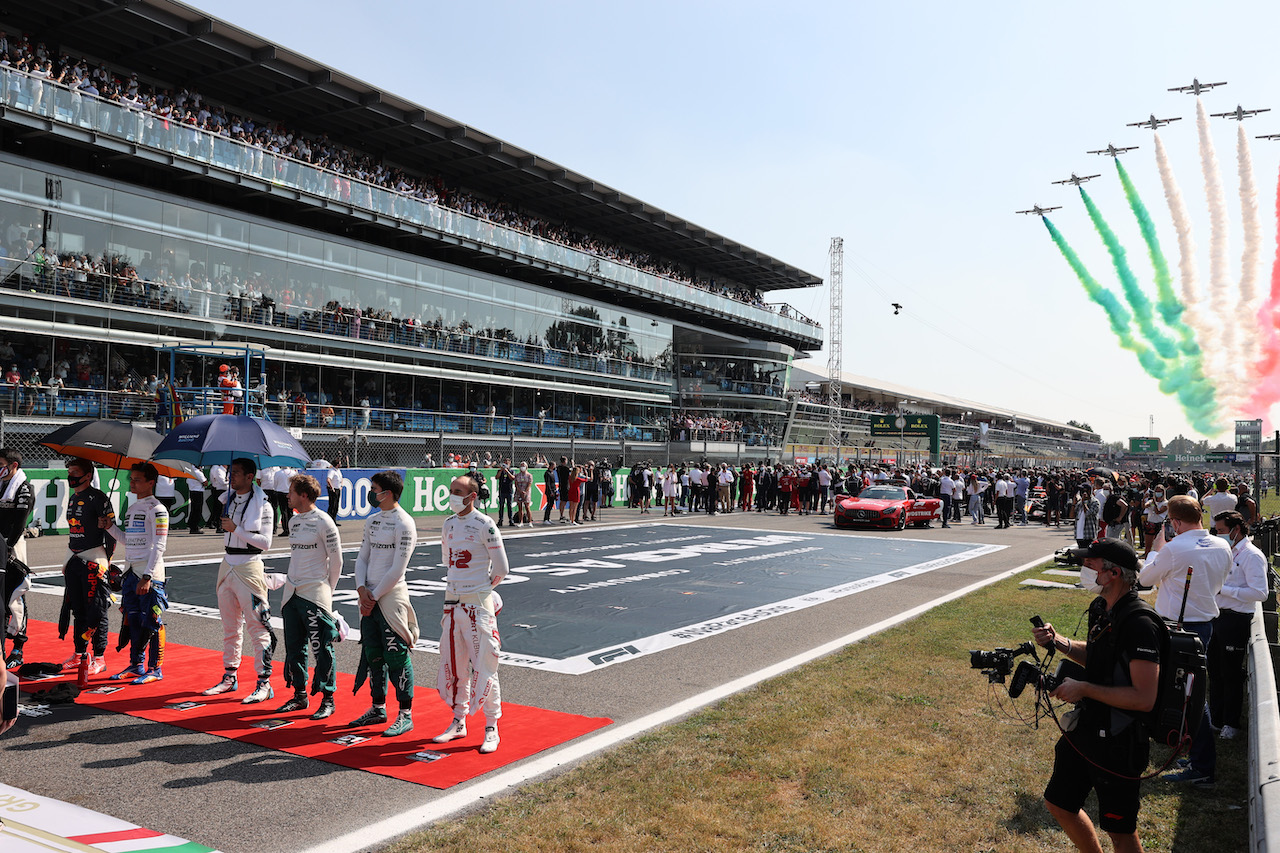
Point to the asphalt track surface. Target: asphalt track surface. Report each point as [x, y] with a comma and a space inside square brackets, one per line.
[240, 797]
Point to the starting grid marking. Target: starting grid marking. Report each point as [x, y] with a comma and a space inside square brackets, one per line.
[619, 593]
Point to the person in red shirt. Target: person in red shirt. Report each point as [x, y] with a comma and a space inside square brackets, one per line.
[576, 482]
[799, 489]
[747, 481]
[786, 486]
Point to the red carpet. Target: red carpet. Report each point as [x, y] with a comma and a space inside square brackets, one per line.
[188, 670]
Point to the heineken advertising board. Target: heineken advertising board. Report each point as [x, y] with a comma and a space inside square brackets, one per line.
[426, 492]
[909, 426]
[1144, 445]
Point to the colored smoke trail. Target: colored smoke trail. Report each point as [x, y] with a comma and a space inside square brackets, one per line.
[1167, 302]
[1188, 275]
[1187, 378]
[1267, 390]
[1194, 393]
[1220, 356]
[1129, 282]
[1249, 300]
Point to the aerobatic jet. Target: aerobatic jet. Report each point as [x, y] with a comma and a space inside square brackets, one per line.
[1268, 136]
[1038, 210]
[1076, 180]
[1153, 122]
[1113, 151]
[1196, 87]
[1240, 113]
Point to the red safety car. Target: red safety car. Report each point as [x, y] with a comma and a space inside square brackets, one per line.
[887, 506]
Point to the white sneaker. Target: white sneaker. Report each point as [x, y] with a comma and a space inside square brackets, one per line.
[262, 691]
[491, 740]
[226, 685]
[1229, 733]
[457, 729]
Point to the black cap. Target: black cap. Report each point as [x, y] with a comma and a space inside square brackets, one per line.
[1116, 551]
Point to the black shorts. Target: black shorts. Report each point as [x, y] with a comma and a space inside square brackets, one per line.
[1074, 776]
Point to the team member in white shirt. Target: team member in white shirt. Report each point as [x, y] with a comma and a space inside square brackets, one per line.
[333, 482]
[469, 642]
[315, 565]
[1245, 586]
[217, 488]
[143, 598]
[945, 486]
[1209, 558]
[195, 501]
[388, 626]
[724, 486]
[242, 585]
[281, 480]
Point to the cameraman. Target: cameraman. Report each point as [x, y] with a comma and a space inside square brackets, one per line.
[1108, 748]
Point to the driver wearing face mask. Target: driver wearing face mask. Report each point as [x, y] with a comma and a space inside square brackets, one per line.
[86, 599]
[469, 642]
[1245, 586]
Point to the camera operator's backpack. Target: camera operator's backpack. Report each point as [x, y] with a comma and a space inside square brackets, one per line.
[1175, 715]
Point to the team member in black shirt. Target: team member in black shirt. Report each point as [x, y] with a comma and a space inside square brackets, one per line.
[86, 599]
[1108, 748]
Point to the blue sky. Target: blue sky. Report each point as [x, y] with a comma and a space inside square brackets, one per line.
[913, 131]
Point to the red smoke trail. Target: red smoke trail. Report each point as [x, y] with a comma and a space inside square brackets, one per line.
[1267, 370]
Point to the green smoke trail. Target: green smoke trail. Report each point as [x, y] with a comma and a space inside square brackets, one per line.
[1166, 302]
[1180, 378]
[1129, 282]
[1190, 383]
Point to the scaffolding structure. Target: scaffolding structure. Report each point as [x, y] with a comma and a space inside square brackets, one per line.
[835, 349]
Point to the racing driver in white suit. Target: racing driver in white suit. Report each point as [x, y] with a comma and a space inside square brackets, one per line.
[469, 642]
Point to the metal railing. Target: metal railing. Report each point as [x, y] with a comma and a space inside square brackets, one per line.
[184, 299]
[1264, 739]
[133, 124]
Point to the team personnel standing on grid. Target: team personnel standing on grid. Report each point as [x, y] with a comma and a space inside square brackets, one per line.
[388, 626]
[142, 596]
[469, 642]
[315, 565]
[248, 526]
[85, 597]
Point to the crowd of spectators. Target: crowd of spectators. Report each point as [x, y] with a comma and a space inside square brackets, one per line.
[258, 299]
[154, 110]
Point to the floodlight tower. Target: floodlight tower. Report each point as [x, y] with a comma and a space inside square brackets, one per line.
[835, 349]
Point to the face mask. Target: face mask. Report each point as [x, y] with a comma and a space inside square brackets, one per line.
[524, 467]
[1089, 579]
[457, 503]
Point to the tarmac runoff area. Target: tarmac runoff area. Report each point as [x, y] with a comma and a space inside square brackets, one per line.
[637, 618]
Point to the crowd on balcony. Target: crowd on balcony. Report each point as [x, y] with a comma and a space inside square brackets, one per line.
[156, 107]
[689, 425]
[259, 300]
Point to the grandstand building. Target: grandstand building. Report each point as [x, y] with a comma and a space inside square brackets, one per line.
[171, 180]
[177, 193]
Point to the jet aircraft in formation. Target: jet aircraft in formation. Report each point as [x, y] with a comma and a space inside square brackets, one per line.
[1153, 122]
[1240, 113]
[1196, 87]
[1075, 180]
[1038, 210]
[1113, 151]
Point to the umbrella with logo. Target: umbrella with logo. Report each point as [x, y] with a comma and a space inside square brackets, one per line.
[113, 444]
[218, 439]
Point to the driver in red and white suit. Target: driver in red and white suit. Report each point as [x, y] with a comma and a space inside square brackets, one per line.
[469, 642]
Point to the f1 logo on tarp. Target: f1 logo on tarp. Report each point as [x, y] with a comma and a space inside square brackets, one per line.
[601, 658]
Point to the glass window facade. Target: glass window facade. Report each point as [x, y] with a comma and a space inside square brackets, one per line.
[162, 253]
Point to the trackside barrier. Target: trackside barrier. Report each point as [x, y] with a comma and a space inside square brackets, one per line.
[1264, 739]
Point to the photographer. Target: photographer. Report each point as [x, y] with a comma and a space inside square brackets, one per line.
[1107, 749]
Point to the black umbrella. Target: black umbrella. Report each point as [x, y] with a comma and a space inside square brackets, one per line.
[112, 444]
[1100, 471]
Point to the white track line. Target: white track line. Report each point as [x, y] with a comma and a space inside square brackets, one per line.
[387, 829]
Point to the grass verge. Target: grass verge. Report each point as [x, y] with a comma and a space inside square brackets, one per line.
[891, 744]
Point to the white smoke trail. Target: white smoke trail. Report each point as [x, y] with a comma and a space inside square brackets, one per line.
[1250, 299]
[1189, 277]
[1220, 354]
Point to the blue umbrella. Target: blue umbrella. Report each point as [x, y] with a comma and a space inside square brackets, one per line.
[218, 439]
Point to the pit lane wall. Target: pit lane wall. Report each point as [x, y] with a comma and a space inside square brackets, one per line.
[426, 492]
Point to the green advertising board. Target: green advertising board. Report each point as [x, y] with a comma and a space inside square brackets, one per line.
[909, 426]
[1144, 445]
